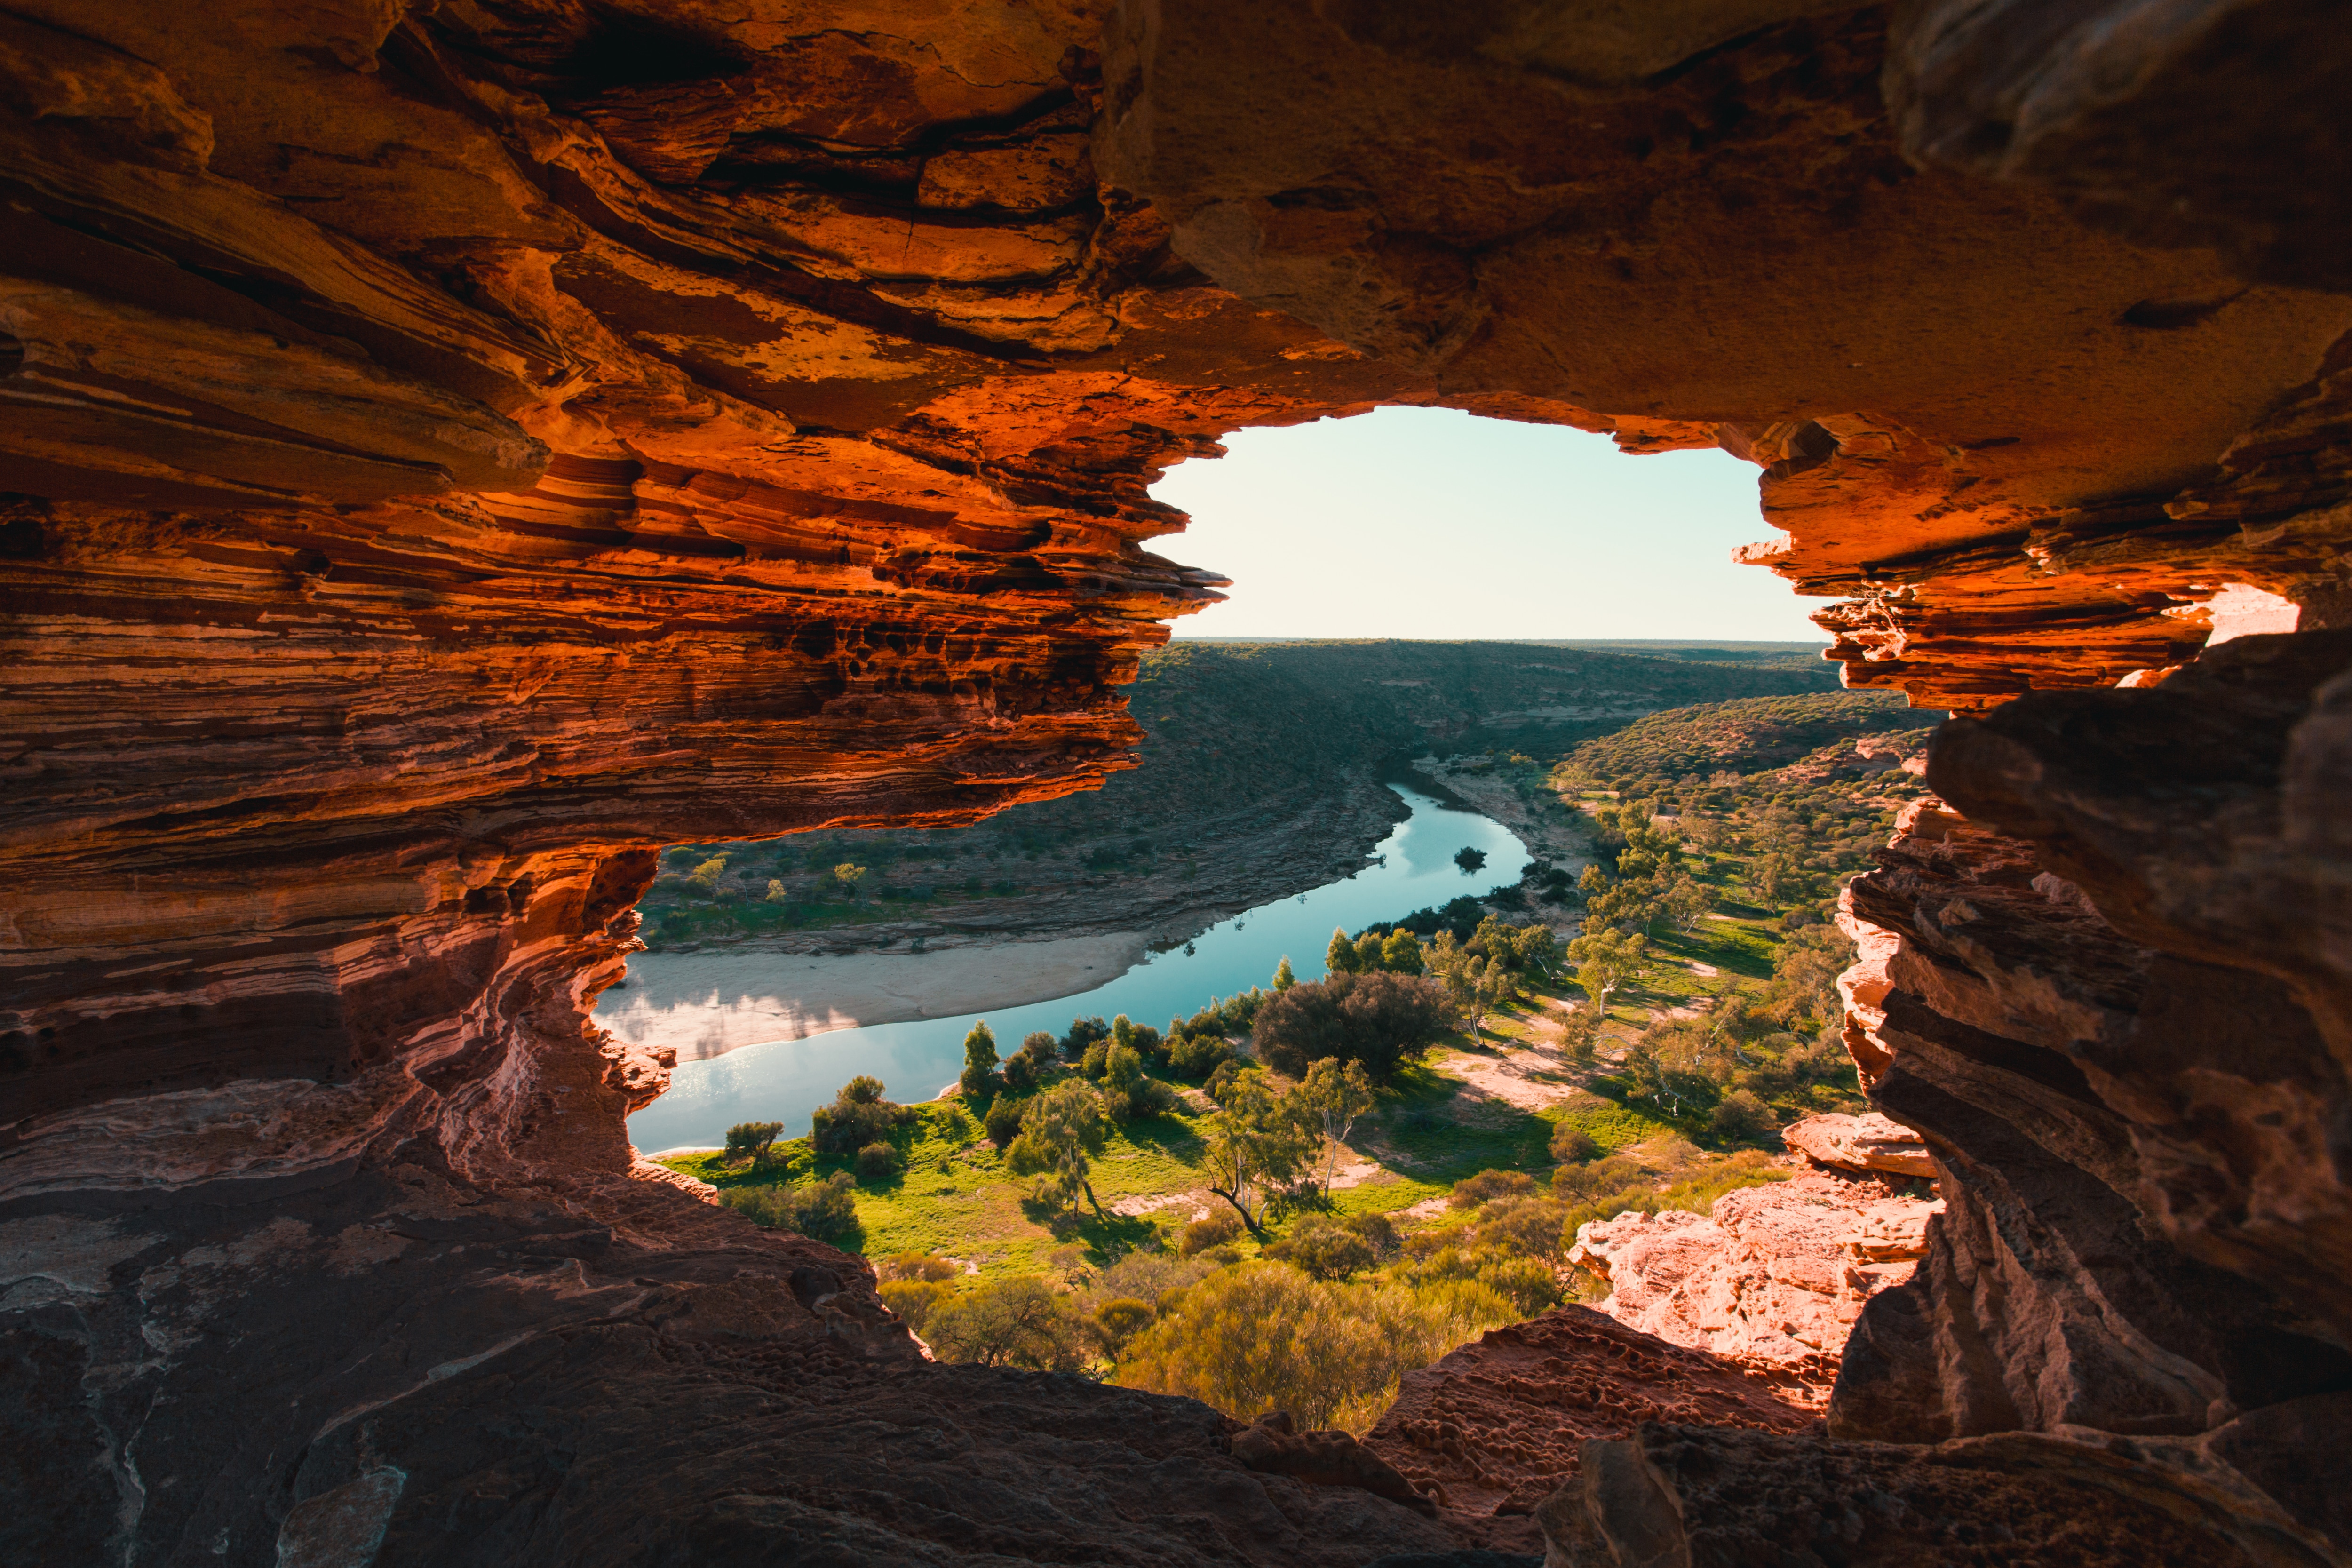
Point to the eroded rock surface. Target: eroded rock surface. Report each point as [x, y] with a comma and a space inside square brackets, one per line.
[1726, 1499]
[453, 451]
[580, 1374]
[1495, 1427]
[1772, 1275]
[1868, 1142]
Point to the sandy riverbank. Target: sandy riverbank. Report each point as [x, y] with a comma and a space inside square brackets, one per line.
[701, 1004]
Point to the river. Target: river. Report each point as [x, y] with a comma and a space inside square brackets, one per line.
[784, 1080]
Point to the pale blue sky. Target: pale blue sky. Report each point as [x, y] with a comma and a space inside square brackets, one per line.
[1425, 522]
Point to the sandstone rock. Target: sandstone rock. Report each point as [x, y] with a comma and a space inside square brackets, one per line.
[453, 452]
[1867, 1142]
[1320, 1459]
[1721, 1499]
[585, 1374]
[1774, 1276]
[1494, 1427]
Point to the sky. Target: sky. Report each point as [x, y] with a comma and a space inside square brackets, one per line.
[1426, 522]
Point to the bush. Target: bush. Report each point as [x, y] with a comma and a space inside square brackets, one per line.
[1016, 1321]
[1323, 1249]
[1026, 1069]
[917, 1266]
[1003, 1120]
[751, 1141]
[1197, 1055]
[1219, 1226]
[1084, 1032]
[1375, 1232]
[1379, 1019]
[825, 1210]
[876, 1161]
[1533, 1226]
[1740, 1116]
[857, 1116]
[1121, 1318]
[1486, 1184]
[1571, 1144]
[1263, 1337]
[913, 1299]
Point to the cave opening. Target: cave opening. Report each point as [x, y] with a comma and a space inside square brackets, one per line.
[454, 451]
[1421, 522]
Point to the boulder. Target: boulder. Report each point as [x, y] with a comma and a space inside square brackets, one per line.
[1869, 1142]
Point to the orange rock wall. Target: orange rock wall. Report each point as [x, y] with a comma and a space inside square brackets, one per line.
[451, 451]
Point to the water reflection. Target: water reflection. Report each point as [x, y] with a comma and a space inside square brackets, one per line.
[785, 1079]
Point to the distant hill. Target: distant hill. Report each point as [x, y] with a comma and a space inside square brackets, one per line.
[1744, 736]
[1261, 773]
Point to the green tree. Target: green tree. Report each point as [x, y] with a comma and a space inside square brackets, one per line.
[858, 1115]
[1687, 902]
[1014, 1320]
[981, 1079]
[1282, 978]
[752, 1141]
[1400, 953]
[1059, 1129]
[1605, 960]
[706, 876]
[1340, 958]
[1333, 1096]
[1255, 1145]
[846, 877]
[775, 891]
[1368, 954]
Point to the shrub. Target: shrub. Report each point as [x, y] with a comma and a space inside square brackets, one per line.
[1323, 1249]
[1084, 1032]
[1197, 1056]
[917, 1266]
[913, 1299]
[1003, 1120]
[1016, 1321]
[857, 1116]
[1486, 1184]
[1262, 1337]
[1740, 1116]
[1218, 1228]
[1375, 1232]
[1378, 1019]
[1097, 1058]
[825, 1210]
[752, 1141]
[1531, 1226]
[876, 1161]
[1571, 1144]
[1120, 1319]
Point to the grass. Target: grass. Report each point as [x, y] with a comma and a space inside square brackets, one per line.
[954, 1197]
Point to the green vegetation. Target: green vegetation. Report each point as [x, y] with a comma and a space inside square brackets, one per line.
[1241, 739]
[1298, 1193]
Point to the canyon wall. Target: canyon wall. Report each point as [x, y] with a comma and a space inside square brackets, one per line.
[453, 451]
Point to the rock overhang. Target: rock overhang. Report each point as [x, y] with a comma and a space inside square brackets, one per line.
[453, 451]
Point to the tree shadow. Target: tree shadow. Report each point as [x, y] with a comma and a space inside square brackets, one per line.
[1165, 1132]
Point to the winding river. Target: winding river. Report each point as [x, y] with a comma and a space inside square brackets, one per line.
[784, 1080]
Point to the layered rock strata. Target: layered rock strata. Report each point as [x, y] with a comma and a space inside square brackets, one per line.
[453, 451]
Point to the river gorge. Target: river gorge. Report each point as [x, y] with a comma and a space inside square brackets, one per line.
[670, 998]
